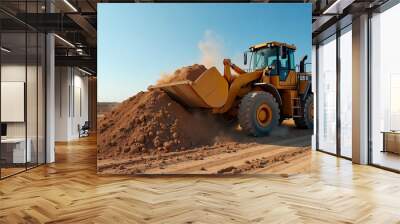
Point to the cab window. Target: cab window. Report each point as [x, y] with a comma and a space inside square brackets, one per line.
[284, 65]
[287, 63]
[264, 58]
[292, 62]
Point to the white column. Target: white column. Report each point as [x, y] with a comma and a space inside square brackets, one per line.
[62, 103]
[314, 90]
[50, 99]
[50, 92]
[360, 90]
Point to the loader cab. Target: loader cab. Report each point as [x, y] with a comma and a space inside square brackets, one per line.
[263, 58]
[277, 56]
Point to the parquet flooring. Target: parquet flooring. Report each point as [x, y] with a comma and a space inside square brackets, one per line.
[332, 191]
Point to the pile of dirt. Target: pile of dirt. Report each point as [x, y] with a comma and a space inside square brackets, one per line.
[185, 73]
[151, 122]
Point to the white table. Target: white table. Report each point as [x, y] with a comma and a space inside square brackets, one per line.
[18, 149]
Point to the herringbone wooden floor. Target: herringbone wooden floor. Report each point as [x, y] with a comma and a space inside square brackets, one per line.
[69, 191]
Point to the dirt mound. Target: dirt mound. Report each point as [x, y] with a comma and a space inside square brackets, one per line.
[151, 122]
[185, 73]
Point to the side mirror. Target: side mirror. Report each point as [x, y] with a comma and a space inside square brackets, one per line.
[245, 58]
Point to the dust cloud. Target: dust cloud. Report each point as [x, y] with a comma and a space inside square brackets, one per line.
[189, 73]
[165, 78]
[211, 48]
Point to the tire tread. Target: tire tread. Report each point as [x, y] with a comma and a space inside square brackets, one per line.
[246, 107]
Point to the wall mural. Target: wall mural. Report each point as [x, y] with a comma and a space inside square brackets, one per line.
[203, 88]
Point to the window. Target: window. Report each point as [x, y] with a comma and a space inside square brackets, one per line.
[16, 155]
[284, 66]
[334, 109]
[292, 60]
[327, 95]
[385, 89]
[22, 66]
[346, 92]
[264, 58]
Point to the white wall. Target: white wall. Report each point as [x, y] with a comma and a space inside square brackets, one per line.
[9, 73]
[12, 73]
[71, 102]
[61, 103]
[80, 110]
[34, 125]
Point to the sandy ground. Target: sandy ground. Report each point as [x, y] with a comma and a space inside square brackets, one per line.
[151, 133]
[278, 153]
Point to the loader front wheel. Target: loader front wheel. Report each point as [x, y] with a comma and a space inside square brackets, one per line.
[258, 113]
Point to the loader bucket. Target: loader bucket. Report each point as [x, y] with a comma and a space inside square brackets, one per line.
[209, 90]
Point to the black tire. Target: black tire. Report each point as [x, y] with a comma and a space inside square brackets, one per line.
[307, 121]
[248, 113]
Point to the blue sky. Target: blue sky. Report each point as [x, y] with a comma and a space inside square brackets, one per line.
[137, 43]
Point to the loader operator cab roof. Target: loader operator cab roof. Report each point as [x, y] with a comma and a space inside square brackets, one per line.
[271, 44]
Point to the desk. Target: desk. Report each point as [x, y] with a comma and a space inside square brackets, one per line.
[391, 141]
[13, 150]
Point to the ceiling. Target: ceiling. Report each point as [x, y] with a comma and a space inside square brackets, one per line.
[331, 15]
[73, 21]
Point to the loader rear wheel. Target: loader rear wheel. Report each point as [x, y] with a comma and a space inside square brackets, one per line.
[258, 113]
[307, 121]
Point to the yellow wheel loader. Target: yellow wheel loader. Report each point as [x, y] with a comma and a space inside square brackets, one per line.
[261, 98]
